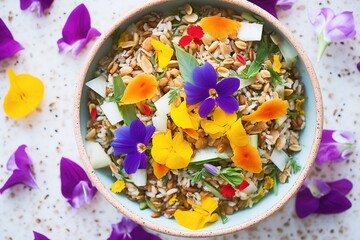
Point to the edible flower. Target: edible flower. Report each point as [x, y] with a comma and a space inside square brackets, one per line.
[117, 186]
[76, 186]
[160, 170]
[24, 95]
[285, 4]
[247, 157]
[20, 163]
[228, 191]
[77, 31]
[36, 5]
[277, 64]
[269, 183]
[8, 45]
[128, 230]
[358, 66]
[133, 141]
[331, 27]
[39, 236]
[207, 90]
[272, 109]
[201, 215]
[298, 106]
[220, 27]
[317, 196]
[211, 169]
[270, 5]
[195, 33]
[140, 88]
[335, 146]
[163, 53]
[184, 116]
[174, 153]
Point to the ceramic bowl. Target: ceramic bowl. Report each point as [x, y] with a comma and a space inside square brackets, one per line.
[309, 140]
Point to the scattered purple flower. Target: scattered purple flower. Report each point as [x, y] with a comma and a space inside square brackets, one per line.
[210, 92]
[76, 186]
[211, 169]
[77, 31]
[358, 66]
[133, 140]
[285, 4]
[39, 236]
[8, 45]
[128, 230]
[20, 163]
[331, 27]
[270, 5]
[335, 146]
[38, 6]
[322, 197]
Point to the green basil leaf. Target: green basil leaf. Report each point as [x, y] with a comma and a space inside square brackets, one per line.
[187, 63]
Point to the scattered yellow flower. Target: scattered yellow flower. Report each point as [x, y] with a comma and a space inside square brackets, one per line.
[298, 105]
[237, 135]
[269, 183]
[201, 215]
[142, 87]
[220, 27]
[117, 186]
[24, 95]
[172, 200]
[174, 153]
[124, 37]
[184, 117]
[163, 53]
[277, 64]
[160, 170]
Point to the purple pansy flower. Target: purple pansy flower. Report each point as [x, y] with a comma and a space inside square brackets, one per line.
[8, 46]
[270, 5]
[36, 5]
[20, 163]
[39, 236]
[128, 230]
[335, 146]
[76, 186]
[133, 141]
[77, 31]
[210, 92]
[322, 197]
[331, 27]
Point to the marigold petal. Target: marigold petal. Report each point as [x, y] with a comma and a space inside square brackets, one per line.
[142, 87]
[192, 133]
[237, 135]
[163, 53]
[117, 186]
[277, 64]
[273, 109]
[247, 157]
[24, 95]
[209, 204]
[220, 27]
[160, 170]
[190, 219]
[181, 117]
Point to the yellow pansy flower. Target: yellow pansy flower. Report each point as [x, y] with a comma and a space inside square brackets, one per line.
[163, 53]
[269, 183]
[277, 64]
[117, 186]
[24, 95]
[298, 106]
[174, 153]
[201, 215]
[184, 117]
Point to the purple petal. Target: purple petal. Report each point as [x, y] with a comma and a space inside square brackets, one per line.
[36, 5]
[320, 19]
[20, 163]
[285, 4]
[334, 202]
[227, 86]
[343, 136]
[8, 46]
[137, 131]
[342, 186]
[124, 142]
[267, 5]
[132, 162]
[227, 103]
[75, 184]
[341, 27]
[305, 203]
[328, 152]
[205, 76]
[39, 236]
[150, 129]
[25, 4]
[206, 107]
[358, 66]
[143, 161]
[322, 186]
[77, 31]
[211, 169]
[195, 94]
[129, 230]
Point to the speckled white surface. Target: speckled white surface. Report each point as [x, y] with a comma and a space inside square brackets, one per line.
[48, 131]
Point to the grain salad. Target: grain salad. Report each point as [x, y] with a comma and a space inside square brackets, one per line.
[197, 113]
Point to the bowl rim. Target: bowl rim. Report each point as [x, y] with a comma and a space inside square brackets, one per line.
[188, 233]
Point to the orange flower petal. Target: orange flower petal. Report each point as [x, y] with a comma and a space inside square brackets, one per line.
[273, 109]
[220, 27]
[142, 87]
[160, 170]
[192, 133]
[247, 157]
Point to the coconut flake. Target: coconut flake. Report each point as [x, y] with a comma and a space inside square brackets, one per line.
[250, 31]
[112, 112]
[97, 156]
[98, 85]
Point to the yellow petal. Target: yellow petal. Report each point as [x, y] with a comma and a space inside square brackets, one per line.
[160, 170]
[277, 64]
[190, 219]
[117, 186]
[219, 125]
[182, 147]
[161, 147]
[180, 116]
[209, 204]
[220, 27]
[24, 95]
[192, 133]
[173, 200]
[142, 87]
[163, 53]
[237, 135]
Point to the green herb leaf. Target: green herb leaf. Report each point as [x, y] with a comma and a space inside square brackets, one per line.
[295, 167]
[174, 92]
[197, 176]
[213, 189]
[187, 63]
[161, 75]
[150, 204]
[232, 175]
[223, 217]
[275, 77]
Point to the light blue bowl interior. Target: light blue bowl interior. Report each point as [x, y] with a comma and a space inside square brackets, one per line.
[306, 139]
